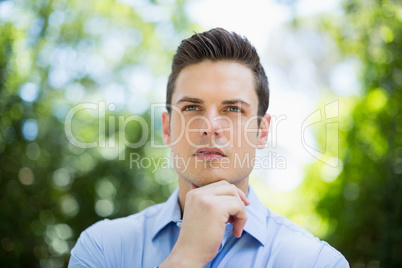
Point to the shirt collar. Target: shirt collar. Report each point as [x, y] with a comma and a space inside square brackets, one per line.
[169, 212]
[256, 223]
[256, 215]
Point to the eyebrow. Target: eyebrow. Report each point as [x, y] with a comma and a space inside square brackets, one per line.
[188, 99]
[236, 102]
[196, 100]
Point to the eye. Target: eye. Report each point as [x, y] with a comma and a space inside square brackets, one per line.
[234, 109]
[191, 108]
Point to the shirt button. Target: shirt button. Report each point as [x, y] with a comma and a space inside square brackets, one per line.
[178, 224]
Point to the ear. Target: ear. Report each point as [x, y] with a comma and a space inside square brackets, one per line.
[263, 131]
[166, 128]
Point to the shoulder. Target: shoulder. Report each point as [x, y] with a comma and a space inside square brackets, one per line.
[295, 245]
[129, 224]
[104, 239]
[285, 228]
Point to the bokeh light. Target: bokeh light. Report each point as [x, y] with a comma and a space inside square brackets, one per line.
[116, 56]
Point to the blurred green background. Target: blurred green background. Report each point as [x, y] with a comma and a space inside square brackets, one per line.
[55, 55]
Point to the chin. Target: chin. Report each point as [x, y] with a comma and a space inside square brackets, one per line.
[202, 179]
[207, 176]
[205, 179]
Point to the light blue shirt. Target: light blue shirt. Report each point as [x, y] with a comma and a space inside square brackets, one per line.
[145, 239]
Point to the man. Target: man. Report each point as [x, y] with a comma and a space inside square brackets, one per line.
[217, 98]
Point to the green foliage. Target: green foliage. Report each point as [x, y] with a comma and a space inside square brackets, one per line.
[53, 55]
[363, 205]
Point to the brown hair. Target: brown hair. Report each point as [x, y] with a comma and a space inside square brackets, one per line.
[216, 45]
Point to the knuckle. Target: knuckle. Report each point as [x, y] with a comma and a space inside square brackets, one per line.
[204, 202]
[233, 190]
[188, 198]
[240, 203]
[191, 195]
[207, 205]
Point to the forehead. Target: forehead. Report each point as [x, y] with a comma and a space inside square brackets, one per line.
[216, 81]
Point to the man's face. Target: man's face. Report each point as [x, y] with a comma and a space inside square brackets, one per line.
[213, 127]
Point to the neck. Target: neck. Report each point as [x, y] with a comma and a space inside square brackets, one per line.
[184, 188]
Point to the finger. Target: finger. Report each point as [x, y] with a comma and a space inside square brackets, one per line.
[225, 188]
[239, 221]
[243, 197]
[238, 226]
[236, 213]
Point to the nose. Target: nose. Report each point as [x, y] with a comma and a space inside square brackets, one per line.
[207, 133]
[211, 125]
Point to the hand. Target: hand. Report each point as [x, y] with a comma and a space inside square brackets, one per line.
[206, 212]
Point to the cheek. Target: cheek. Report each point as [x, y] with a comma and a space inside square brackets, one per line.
[194, 125]
[185, 133]
[251, 139]
[251, 132]
[176, 127]
[246, 135]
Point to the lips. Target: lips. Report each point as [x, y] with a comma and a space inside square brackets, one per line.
[209, 153]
